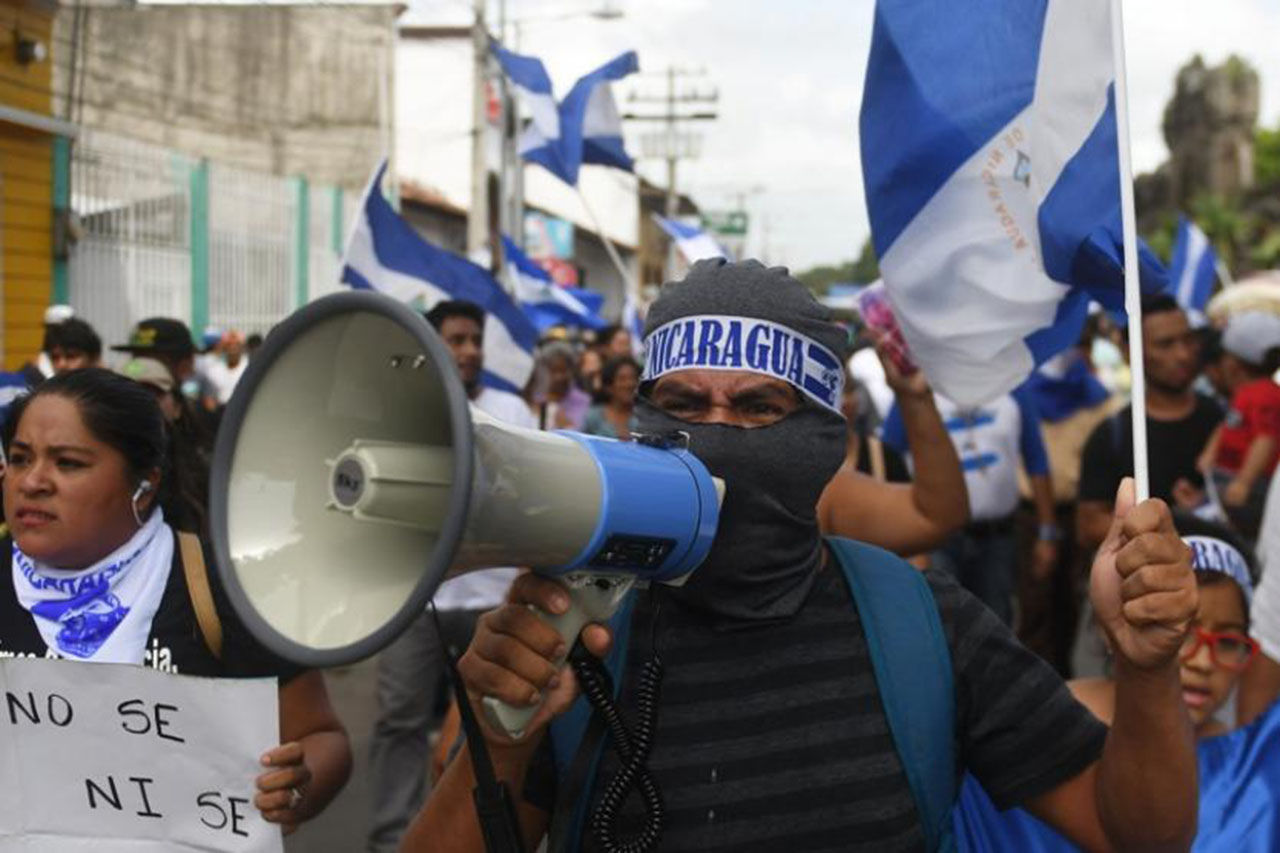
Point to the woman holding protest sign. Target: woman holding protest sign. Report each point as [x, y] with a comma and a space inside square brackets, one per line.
[99, 575]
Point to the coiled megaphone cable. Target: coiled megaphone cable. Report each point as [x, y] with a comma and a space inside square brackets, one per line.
[633, 747]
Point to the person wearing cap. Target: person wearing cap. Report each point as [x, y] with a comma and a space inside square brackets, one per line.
[1243, 451]
[1239, 771]
[770, 729]
[169, 342]
[153, 374]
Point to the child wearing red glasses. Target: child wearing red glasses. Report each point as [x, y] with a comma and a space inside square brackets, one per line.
[1217, 648]
[1239, 770]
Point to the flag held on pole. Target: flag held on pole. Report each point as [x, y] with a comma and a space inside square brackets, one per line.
[989, 151]
[583, 128]
[385, 254]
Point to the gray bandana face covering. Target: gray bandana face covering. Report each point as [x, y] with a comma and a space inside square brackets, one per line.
[768, 548]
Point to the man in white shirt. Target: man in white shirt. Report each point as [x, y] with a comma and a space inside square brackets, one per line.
[225, 367]
[410, 670]
[991, 441]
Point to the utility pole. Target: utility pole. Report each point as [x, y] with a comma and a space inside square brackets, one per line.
[671, 144]
[478, 216]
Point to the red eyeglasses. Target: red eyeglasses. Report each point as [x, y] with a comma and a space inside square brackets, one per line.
[1228, 650]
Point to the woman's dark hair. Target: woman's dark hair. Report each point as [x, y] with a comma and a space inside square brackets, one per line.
[124, 415]
[604, 337]
[611, 367]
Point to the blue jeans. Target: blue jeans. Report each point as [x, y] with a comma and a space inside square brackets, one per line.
[983, 558]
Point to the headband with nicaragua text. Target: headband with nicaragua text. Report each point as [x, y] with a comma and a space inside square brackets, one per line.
[1213, 555]
[718, 342]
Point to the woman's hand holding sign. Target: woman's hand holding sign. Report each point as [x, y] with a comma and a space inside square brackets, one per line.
[282, 790]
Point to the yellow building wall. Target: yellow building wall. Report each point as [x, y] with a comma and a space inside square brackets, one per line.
[26, 188]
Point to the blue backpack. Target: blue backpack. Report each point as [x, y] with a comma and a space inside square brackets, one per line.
[912, 663]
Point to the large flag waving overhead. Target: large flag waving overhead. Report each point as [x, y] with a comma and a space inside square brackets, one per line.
[385, 254]
[1193, 267]
[990, 160]
[584, 128]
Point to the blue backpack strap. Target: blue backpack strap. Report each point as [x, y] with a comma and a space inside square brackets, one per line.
[566, 735]
[912, 664]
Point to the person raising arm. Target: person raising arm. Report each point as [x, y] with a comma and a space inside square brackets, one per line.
[904, 518]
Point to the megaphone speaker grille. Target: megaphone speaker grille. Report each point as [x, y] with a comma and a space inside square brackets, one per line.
[310, 578]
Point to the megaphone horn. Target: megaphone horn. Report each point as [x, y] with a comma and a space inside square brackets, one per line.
[351, 477]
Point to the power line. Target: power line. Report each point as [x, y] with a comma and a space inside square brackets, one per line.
[671, 144]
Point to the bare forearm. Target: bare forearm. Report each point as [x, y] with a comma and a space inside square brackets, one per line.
[939, 490]
[448, 822]
[1042, 495]
[1146, 788]
[328, 757]
[1256, 460]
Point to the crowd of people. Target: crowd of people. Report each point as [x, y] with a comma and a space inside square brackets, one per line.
[1011, 526]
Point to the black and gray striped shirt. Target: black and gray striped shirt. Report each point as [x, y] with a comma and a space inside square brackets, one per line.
[774, 738]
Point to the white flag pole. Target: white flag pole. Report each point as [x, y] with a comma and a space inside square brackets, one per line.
[1132, 294]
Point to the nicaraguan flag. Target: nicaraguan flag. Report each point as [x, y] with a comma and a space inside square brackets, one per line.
[1193, 268]
[990, 160]
[584, 128]
[694, 243]
[385, 254]
[545, 303]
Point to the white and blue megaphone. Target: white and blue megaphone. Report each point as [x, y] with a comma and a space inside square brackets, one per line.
[351, 477]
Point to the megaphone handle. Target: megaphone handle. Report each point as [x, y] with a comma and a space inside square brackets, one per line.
[592, 598]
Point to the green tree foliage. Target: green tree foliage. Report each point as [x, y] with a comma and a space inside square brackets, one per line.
[864, 270]
[1230, 229]
[819, 279]
[1160, 240]
[867, 268]
[1266, 156]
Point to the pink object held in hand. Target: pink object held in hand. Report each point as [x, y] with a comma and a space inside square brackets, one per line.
[877, 313]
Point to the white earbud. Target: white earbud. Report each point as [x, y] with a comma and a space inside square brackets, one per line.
[142, 489]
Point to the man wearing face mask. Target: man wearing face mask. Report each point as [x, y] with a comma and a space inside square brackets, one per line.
[771, 727]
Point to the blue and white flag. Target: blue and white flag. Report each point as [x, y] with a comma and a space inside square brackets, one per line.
[990, 160]
[1193, 267]
[584, 128]
[545, 303]
[385, 254]
[694, 243]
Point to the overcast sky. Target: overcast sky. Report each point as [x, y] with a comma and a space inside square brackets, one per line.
[789, 76]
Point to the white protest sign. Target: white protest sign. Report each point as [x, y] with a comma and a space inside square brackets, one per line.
[114, 758]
